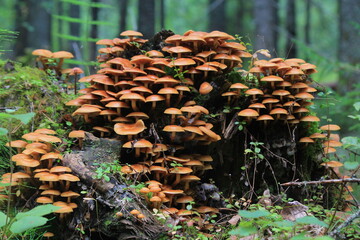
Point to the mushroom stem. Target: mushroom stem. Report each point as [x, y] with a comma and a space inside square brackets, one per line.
[75, 80]
[133, 106]
[177, 180]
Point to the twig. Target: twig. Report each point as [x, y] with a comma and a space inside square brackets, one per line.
[329, 181]
[336, 232]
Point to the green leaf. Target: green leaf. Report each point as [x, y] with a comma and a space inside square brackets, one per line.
[244, 229]
[38, 211]
[301, 236]
[3, 131]
[24, 118]
[351, 165]
[323, 238]
[311, 220]
[2, 219]
[254, 214]
[357, 106]
[283, 224]
[257, 150]
[351, 142]
[27, 223]
[5, 116]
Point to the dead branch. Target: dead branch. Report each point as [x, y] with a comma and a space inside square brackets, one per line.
[336, 232]
[329, 181]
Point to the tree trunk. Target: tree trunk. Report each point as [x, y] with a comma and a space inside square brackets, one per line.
[290, 29]
[146, 19]
[217, 16]
[265, 16]
[123, 14]
[162, 14]
[21, 9]
[109, 197]
[39, 22]
[349, 51]
[94, 30]
[307, 22]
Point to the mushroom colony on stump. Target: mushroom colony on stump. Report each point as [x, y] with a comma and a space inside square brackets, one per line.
[42, 169]
[147, 99]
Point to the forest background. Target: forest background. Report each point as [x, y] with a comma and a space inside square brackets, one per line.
[323, 32]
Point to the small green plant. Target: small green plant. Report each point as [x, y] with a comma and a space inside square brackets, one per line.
[106, 170]
[254, 151]
[262, 223]
[22, 222]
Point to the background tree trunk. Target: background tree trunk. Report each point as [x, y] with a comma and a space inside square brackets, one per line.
[123, 14]
[162, 14]
[349, 38]
[217, 16]
[147, 18]
[265, 17]
[290, 29]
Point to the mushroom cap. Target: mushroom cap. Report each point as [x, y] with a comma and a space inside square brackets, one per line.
[42, 53]
[17, 144]
[317, 135]
[205, 88]
[173, 128]
[51, 192]
[49, 177]
[332, 164]
[185, 199]
[48, 234]
[62, 54]
[180, 170]
[131, 33]
[129, 129]
[248, 113]
[27, 162]
[86, 110]
[108, 42]
[77, 134]
[154, 98]
[167, 91]
[306, 140]
[174, 111]
[254, 91]
[206, 209]
[278, 111]
[238, 86]
[44, 200]
[35, 150]
[132, 96]
[173, 191]
[51, 155]
[265, 118]
[68, 177]
[189, 178]
[142, 143]
[138, 115]
[20, 175]
[70, 194]
[60, 169]
[310, 119]
[182, 62]
[332, 143]
[64, 209]
[330, 127]
[45, 131]
[272, 78]
[193, 129]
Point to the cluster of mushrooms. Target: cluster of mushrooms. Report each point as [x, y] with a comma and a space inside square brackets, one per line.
[42, 169]
[138, 101]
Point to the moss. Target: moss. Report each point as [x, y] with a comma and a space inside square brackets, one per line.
[29, 89]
